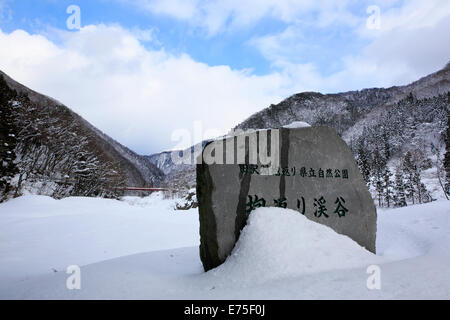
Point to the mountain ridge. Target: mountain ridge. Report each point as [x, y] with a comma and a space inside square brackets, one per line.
[428, 86]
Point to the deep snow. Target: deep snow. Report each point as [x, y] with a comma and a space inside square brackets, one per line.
[39, 234]
[143, 249]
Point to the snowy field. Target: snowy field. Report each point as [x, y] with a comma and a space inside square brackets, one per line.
[140, 248]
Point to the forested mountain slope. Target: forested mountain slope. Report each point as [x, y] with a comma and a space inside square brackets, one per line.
[47, 148]
[342, 111]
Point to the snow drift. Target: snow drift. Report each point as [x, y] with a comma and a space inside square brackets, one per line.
[278, 243]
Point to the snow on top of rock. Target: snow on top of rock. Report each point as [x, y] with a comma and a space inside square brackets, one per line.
[297, 124]
[279, 243]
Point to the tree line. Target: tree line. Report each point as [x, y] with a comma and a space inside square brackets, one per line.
[394, 150]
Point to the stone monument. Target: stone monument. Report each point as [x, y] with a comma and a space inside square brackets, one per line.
[310, 170]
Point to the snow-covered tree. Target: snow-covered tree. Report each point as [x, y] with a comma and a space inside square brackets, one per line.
[399, 189]
[387, 186]
[7, 140]
[379, 165]
[409, 169]
[438, 163]
[447, 151]
[363, 160]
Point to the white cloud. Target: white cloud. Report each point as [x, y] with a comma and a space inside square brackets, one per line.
[415, 14]
[146, 35]
[403, 55]
[180, 9]
[216, 16]
[136, 95]
[139, 96]
[410, 44]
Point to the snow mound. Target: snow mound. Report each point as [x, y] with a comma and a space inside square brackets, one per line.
[279, 243]
[297, 124]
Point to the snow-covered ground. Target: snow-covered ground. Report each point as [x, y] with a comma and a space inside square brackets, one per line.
[140, 248]
[39, 234]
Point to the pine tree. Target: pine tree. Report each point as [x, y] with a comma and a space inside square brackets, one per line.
[399, 189]
[447, 150]
[379, 164]
[409, 169]
[425, 195]
[387, 186]
[363, 161]
[419, 186]
[386, 145]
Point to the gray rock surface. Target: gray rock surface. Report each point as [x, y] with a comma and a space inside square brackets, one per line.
[314, 173]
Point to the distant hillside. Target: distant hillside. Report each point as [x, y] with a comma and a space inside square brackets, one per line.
[342, 111]
[399, 130]
[49, 149]
[180, 178]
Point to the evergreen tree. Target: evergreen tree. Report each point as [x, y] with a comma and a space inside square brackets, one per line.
[363, 161]
[419, 186]
[386, 145]
[387, 186]
[399, 189]
[409, 169]
[447, 150]
[425, 195]
[379, 164]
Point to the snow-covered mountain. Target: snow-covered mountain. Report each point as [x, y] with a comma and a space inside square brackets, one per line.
[388, 121]
[399, 130]
[344, 110]
[180, 178]
[54, 151]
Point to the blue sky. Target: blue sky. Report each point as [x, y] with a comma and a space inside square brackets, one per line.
[230, 46]
[146, 70]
